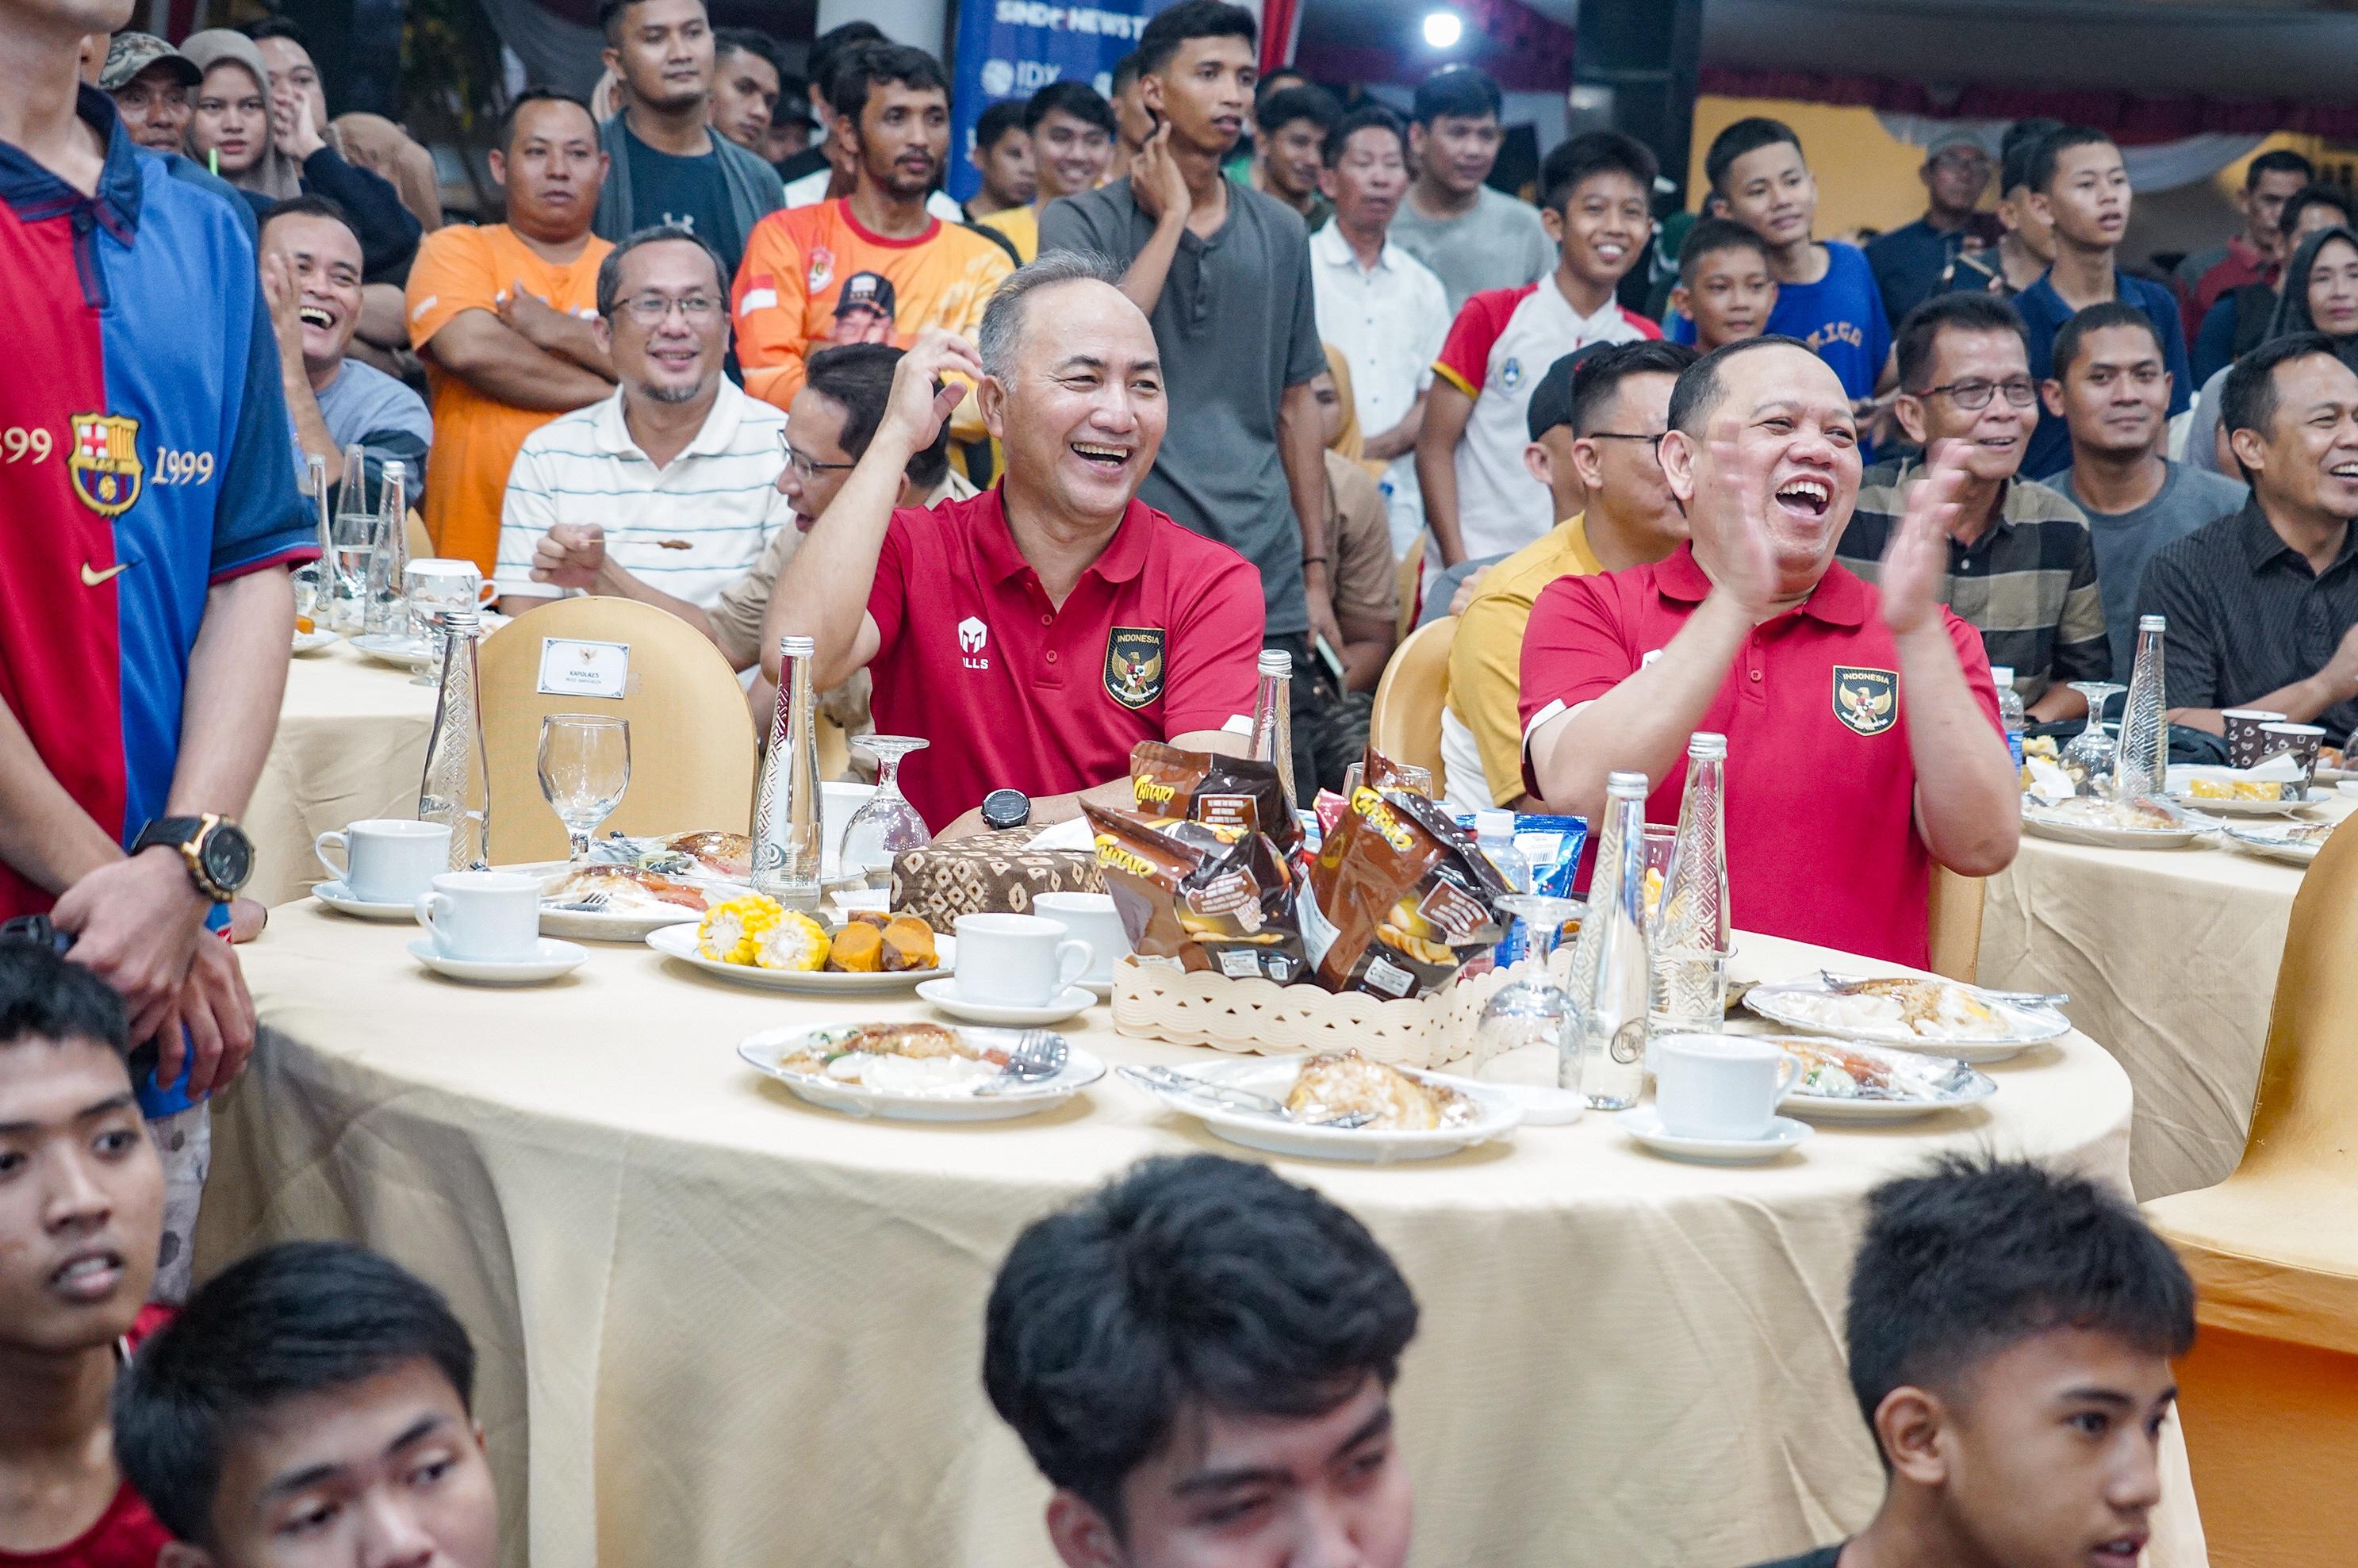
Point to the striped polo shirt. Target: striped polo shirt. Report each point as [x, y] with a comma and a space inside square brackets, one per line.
[690, 528]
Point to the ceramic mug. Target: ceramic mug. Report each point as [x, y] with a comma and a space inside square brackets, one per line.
[387, 859]
[1723, 1087]
[1091, 918]
[485, 916]
[1017, 961]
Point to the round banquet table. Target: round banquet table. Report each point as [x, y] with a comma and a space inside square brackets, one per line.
[2170, 956]
[350, 745]
[736, 1328]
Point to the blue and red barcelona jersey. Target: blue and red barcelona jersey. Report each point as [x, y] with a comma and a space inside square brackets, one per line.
[142, 459]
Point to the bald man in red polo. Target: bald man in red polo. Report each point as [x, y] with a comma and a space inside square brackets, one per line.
[1862, 733]
[1038, 632]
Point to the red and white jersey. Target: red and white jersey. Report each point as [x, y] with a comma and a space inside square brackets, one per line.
[1503, 340]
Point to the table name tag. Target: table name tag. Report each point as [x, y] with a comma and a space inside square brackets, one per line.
[569, 667]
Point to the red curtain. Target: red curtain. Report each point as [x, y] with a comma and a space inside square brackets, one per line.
[1277, 19]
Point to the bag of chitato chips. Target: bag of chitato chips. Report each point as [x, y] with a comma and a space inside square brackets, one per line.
[1398, 900]
[1219, 791]
[1200, 895]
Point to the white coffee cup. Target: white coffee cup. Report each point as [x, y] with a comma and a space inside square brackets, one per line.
[488, 916]
[387, 859]
[1017, 961]
[1720, 1086]
[1091, 918]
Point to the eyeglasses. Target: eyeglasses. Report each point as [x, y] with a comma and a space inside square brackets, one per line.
[650, 309]
[808, 467]
[1973, 394]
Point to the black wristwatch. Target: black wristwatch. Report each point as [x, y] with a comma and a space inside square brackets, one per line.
[1005, 808]
[219, 855]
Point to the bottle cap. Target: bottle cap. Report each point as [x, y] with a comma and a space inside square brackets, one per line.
[1626, 787]
[1276, 661]
[2002, 675]
[2153, 623]
[793, 647]
[1706, 747]
[1494, 823]
[393, 468]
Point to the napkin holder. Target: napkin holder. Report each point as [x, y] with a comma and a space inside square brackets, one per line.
[991, 873]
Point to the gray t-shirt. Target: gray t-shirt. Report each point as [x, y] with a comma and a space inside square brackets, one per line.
[2125, 541]
[1236, 325]
[1500, 245]
[389, 421]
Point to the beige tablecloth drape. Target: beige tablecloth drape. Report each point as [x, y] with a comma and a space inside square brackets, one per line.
[736, 1329]
[350, 745]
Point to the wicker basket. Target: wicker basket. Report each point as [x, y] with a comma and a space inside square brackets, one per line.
[1258, 1016]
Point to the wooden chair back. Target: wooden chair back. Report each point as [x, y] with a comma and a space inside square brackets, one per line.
[1954, 921]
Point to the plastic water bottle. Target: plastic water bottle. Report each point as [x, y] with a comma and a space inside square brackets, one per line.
[1494, 833]
[2009, 711]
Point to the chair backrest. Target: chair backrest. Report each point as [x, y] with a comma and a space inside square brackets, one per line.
[1954, 925]
[1405, 724]
[2305, 1111]
[1411, 573]
[691, 735]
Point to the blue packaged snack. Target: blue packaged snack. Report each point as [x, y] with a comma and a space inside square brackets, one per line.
[1552, 846]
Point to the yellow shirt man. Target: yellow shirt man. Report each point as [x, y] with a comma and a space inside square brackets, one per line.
[1481, 728]
[1022, 227]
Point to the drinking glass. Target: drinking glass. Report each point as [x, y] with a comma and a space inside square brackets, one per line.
[434, 588]
[585, 766]
[1661, 837]
[1530, 1011]
[887, 824]
[2090, 751]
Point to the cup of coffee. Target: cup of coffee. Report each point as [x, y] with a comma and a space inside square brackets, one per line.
[2243, 742]
[1091, 918]
[387, 859]
[1017, 961]
[2301, 741]
[486, 916]
[1720, 1086]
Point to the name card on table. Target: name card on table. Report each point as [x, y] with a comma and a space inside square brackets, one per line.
[571, 667]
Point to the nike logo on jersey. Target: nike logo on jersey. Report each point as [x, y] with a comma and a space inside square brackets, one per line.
[92, 579]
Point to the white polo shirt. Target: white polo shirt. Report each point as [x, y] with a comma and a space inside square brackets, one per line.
[1387, 322]
[690, 528]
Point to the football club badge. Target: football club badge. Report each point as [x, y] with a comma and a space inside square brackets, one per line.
[104, 462]
[1133, 665]
[1866, 702]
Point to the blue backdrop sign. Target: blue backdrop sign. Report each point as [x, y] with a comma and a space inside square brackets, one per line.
[1012, 49]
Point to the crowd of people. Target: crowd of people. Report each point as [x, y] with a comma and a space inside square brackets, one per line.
[1043, 475]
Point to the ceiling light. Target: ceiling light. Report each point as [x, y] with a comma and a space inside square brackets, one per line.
[1444, 29]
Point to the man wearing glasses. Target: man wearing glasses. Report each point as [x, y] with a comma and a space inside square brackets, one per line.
[2021, 567]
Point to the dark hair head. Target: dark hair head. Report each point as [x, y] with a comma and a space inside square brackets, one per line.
[2026, 132]
[794, 99]
[1278, 80]
[1550, 405]
[42, 997]
[2019, 151]
[2096, 319]
[1597, 380]
[1965, 310]
[1189, 1282]
[1459, 91]
[2050, 151]
[998, 120]
[1366, 116]
[1747, 135]
[263, 28]
[301, 1318]
[857, 378]
[2278, 160]
[1975, 1256]
[1696, 396]
[2317, 193]
[610, 270]
[1711, 235]
[610, 13]
[1287, 104]
[1078, 99]
[531, 96]
[1125, 74]
[727, 41]
[1593, 153]
[826, 50]
[2248, 399]
[1191, 19]
[2292, 314]
[871, 64]
[310, 204]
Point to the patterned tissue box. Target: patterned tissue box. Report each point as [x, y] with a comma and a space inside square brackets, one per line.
[993, 872]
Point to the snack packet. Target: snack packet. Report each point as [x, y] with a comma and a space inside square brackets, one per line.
[1380, 772]
[1398, 900]
[1200, 895]
[1207, 786]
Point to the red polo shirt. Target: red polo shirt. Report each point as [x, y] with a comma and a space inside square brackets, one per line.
[1821, 843]
[1161, 635]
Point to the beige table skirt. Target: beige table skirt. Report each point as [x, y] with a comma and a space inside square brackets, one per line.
[720, 1327]
[350, 745]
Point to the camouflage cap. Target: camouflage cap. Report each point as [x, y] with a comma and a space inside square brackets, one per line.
[128, 54]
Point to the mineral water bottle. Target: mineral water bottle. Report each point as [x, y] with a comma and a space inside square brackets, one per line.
[387, 614]
[456, 788]
[1272, 721]
[350, 539]
[309, 579]
[1614, 988]
[2141, 760]
[1688, 942]
[787, 832]
[1494, 832]
[2009, 711]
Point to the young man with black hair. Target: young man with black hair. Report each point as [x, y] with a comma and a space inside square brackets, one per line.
[1474, 238]
[312, 1408]
[1726, 286]
[2258, 254]
[1132, 123]
[825, 54]
[81, 1201]
[1917, 260]
[2011, 1330]
[1199, 1356]
[1073, 133]
[1596, 189]
[746, 87]
[1289, 153]
[2020, 567]
[2026, 241]
[2081, 186]
[1002, 154]
[2112, 391]
[669, 168]
[789, 123]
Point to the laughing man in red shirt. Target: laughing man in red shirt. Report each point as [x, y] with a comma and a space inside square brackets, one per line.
[1038, 632]
[1862, 738]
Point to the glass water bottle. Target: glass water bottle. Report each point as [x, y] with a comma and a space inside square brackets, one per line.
[1612, 986]
[1272, 720]
[788, 834]
[387, 613]
[310, 580]
[2141, 760]
[1687, 945]
[352, 537]
[457, 787]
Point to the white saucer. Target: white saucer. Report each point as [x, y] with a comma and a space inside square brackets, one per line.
[341, 899]
[1102, 990]
[556, 958]
[1644, 1123]
[943, 993]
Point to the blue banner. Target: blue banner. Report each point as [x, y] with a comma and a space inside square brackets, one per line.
[1012, 49]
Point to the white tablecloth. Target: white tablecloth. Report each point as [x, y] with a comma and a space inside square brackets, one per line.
[350, 745]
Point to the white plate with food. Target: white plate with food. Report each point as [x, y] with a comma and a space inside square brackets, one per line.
[617, 903]
[2224, 792]
[913, 1072]
[314, 640]
[2296, 842]
[408, 652]
[1415, 1114]
[1850, 1080]
[1913, 1013]
[2110, 824]
[787, 951]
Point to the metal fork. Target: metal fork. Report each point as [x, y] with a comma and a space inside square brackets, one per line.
[1037, 1053]
[1234, 1098]
[587, 903]
[2019, 999]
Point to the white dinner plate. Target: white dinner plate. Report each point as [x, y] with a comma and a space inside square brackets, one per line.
[2185, 772]
[1497, 1115]
[2272, 841]
[771, 1046]
[2030, 1026]
[1943, 1083]
[1644, 1123]
[2066, 830]
[679, 942]
[408, 652]
[343, 901]
[311, 642]
[616, 925]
